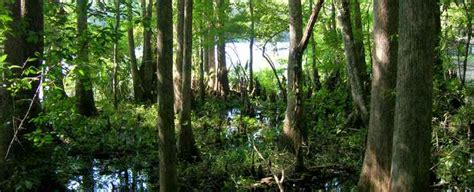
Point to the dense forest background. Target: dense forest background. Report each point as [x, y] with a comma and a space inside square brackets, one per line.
[236, 95]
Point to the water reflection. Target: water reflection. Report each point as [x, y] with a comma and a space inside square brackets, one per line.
[116, 181]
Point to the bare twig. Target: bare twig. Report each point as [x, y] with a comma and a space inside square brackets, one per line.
[20, 126]
[278, 181]
[270, 62]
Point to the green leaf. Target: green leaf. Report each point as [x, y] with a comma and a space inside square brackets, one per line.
[3, 58]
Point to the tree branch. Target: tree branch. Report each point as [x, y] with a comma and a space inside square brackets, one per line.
[309, 27]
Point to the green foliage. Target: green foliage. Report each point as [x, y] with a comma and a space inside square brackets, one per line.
[453, 154]
[268, 81]
[125, 138]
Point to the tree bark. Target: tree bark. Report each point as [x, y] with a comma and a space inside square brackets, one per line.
[468, 11]
[314, 67]
[148, 68]
[136, 80]
[115, 53]
[212, 62]
[202, 87]
[23, 43]
[353, 71]
[5, 129]
[375, 174]
[222, 73]
[293, 128]
[203, 50]
[178, 66]
[166, 131]
[186, 144]
[359, 45]
[210, 50]
[412, 132]
[84, 90]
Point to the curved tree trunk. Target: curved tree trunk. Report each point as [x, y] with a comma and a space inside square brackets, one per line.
[166, 131]
[412, 132]
[352, 62]
[375, 174]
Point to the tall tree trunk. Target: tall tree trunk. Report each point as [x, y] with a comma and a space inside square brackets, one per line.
[5, 129]
[178, 66]
[203, 53]
[438, 73]
[293, 125]
[148, 68]
[468, 12]
[166, 132]
[115, 53]
[222, 74]
[212, 68]
[353, 71]
[84, 89]
[252, 40]
[314, 67]
[359, 45]
[186, 143]
[375, 174]
[412, 132]
[202, 87]
[209, 45]
[294, 132]
[137, 85]
[24, 42]
[13, 46]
